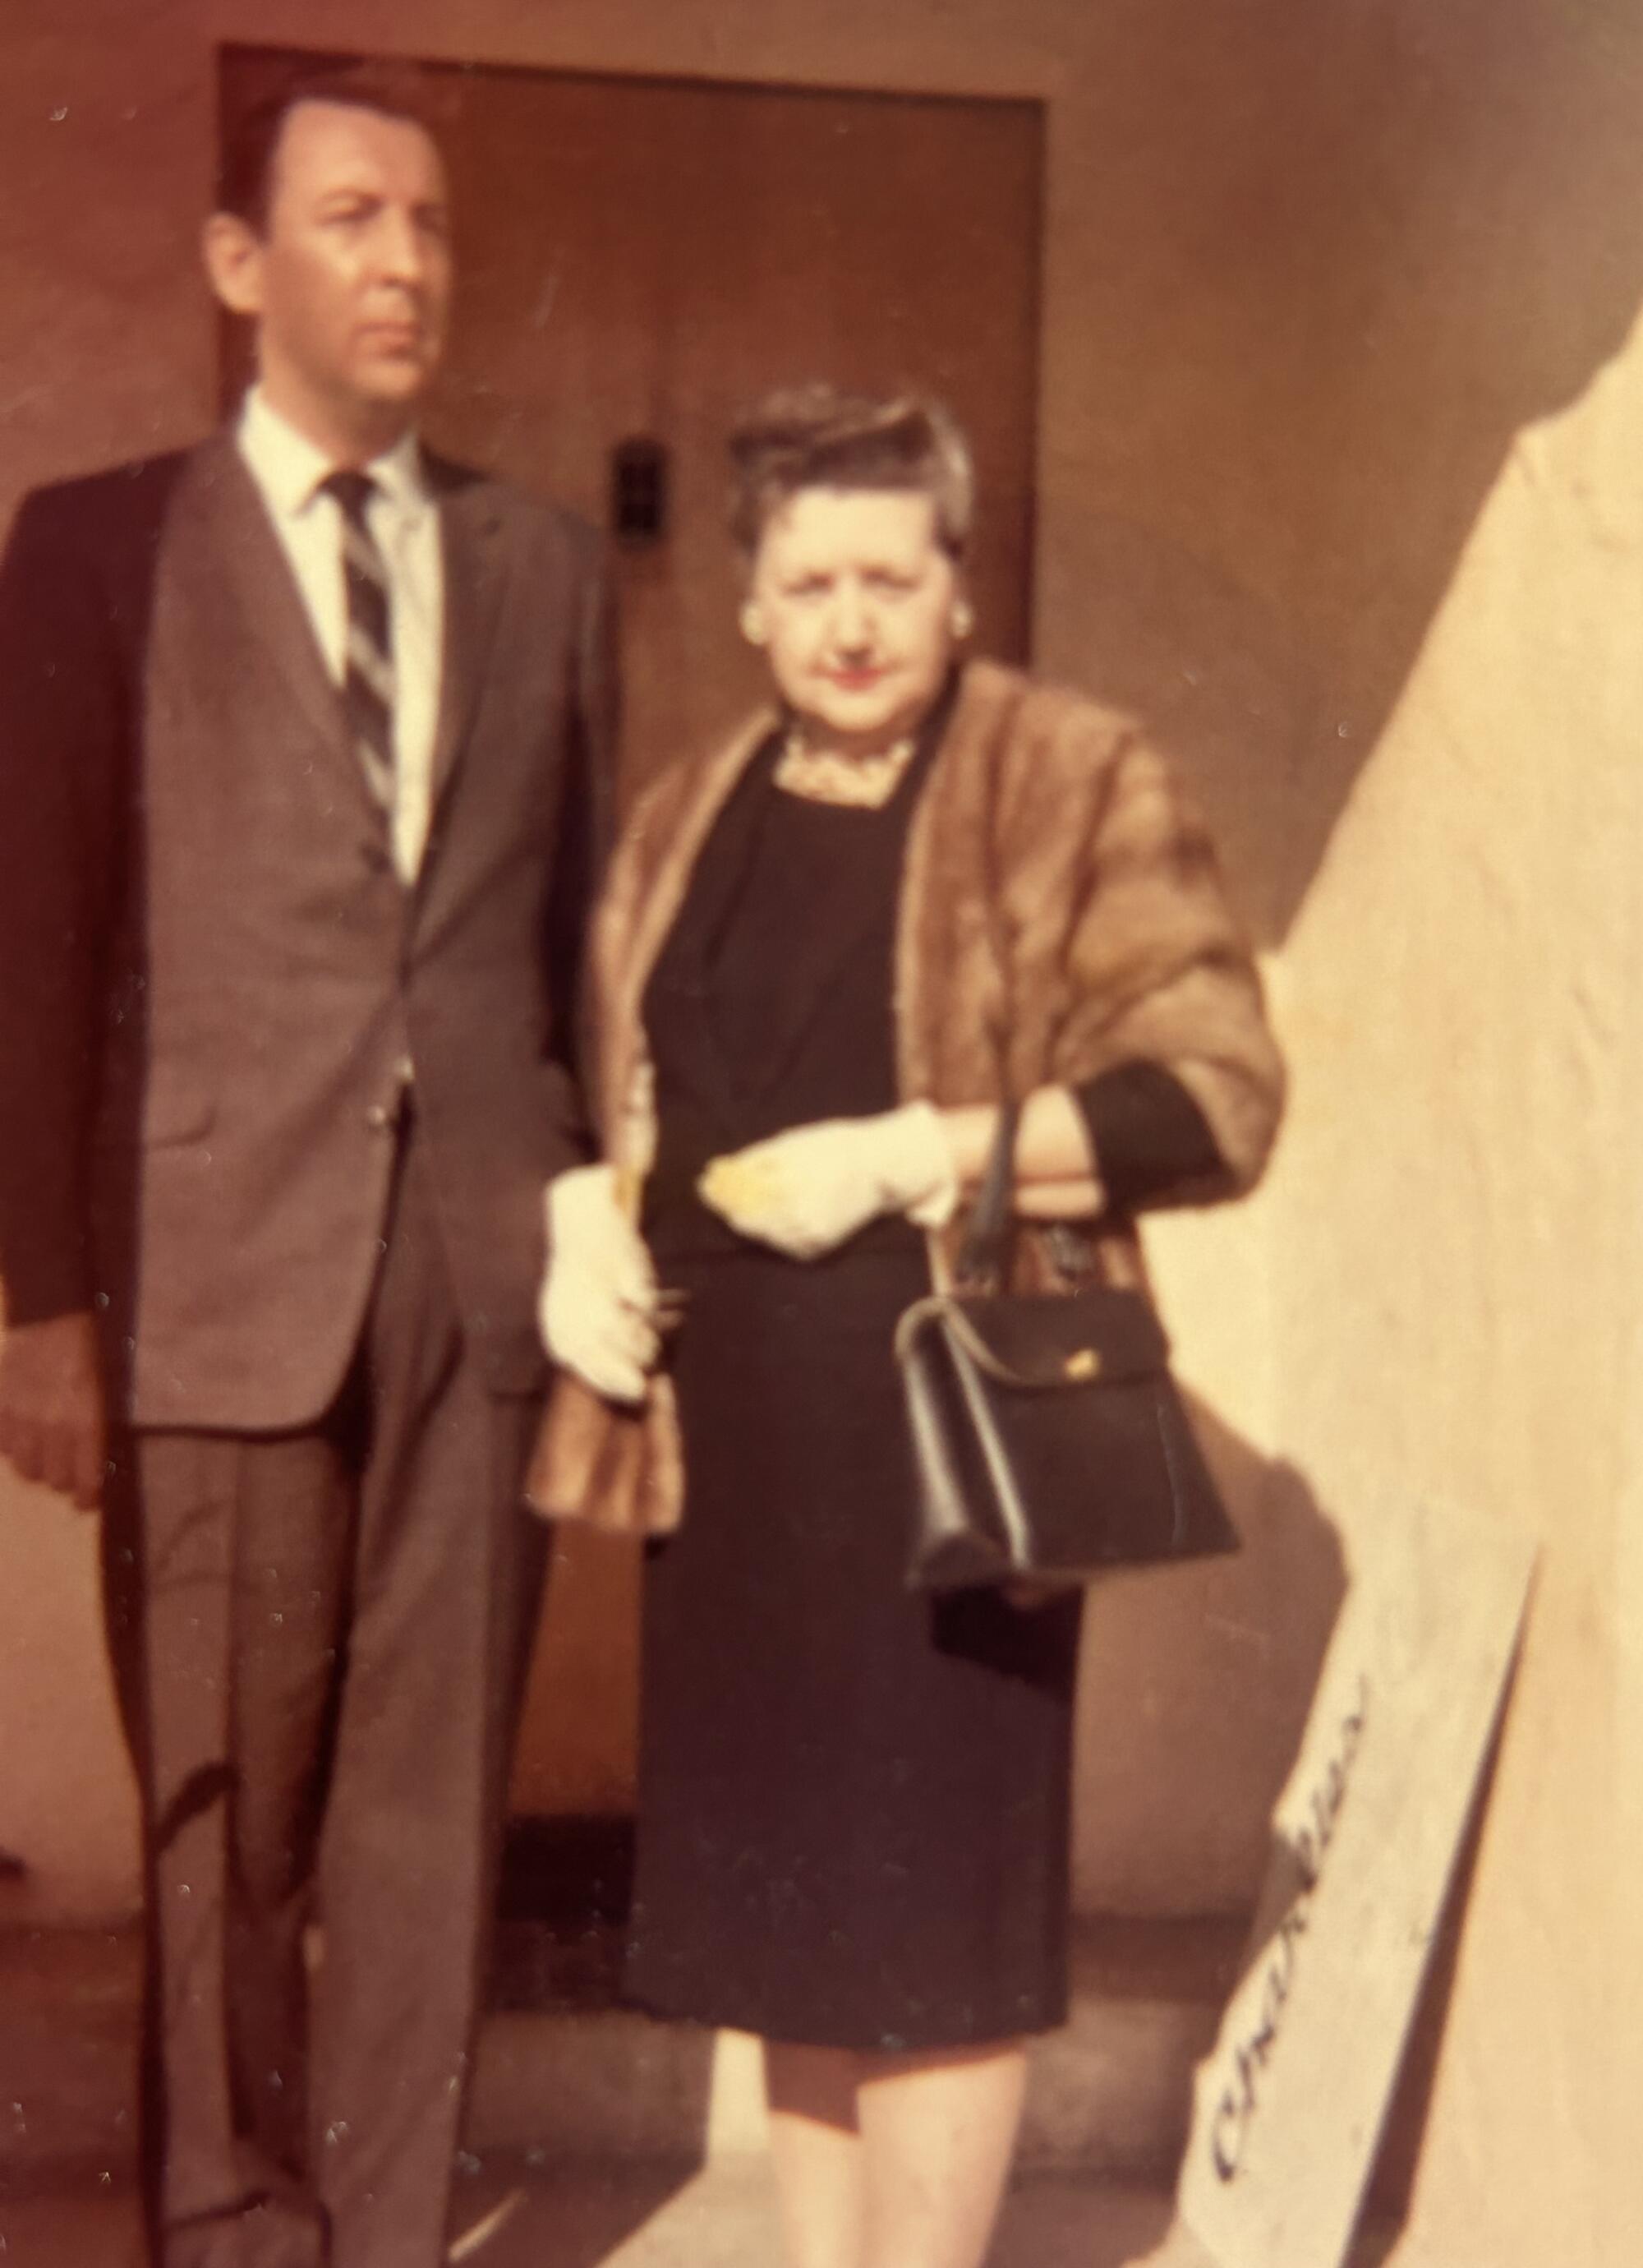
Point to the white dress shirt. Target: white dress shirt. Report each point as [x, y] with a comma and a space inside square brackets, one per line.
[404, 518]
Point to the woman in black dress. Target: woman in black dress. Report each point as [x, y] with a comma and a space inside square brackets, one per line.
[822, 957]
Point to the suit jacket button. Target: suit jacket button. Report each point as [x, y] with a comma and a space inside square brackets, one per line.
[378, 1117]
[375, 857]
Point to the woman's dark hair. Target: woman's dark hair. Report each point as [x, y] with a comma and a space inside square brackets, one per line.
[818, 436]
[250, 143]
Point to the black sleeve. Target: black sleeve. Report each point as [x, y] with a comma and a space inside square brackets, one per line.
[58, 727]
[1150, 1142]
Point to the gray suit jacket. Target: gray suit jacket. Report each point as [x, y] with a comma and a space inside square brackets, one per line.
[209, 970]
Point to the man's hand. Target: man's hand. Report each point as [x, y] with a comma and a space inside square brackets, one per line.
[598, 1307]
[53, 1424]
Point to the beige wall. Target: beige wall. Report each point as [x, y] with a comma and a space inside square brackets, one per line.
[1461, 989]
[1452, 1233]
[1338, 477]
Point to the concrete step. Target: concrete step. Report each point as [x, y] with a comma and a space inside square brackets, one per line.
[68, 2006]
[1109, 2095]
[724, 2215]
[570, 2075]
[593, 2214]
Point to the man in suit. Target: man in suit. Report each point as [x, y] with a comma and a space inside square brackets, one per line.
[301, 745]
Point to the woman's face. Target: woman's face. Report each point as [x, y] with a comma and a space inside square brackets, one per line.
[856, 597]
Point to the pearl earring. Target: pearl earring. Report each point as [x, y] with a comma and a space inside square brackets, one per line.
[963, 618]
[752, 619]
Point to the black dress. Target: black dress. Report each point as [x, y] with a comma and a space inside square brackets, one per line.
[853, 1800]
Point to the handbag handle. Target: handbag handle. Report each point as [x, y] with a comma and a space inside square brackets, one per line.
[984, 1255]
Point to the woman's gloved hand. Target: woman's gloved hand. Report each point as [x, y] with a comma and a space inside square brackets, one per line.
[598, 1309]
[807, 1189]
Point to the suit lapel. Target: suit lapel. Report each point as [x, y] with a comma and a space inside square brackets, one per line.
[223, 528]
[470, 532]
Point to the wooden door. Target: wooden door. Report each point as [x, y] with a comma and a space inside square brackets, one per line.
[638, 259]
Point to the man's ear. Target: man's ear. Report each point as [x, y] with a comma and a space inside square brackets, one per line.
[232, 252]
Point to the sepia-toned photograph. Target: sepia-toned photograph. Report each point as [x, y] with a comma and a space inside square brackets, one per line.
[821, 1246]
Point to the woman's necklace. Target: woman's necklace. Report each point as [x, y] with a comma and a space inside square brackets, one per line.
[823, 775]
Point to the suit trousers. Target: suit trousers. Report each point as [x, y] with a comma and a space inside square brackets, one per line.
[320, 1638]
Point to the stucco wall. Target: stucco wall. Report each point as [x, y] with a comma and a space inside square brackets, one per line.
[1461, 991]
[1338, 477]
[1452, 1233]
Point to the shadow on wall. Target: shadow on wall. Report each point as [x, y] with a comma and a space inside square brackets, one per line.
[1195, 1689]
[1401, 244]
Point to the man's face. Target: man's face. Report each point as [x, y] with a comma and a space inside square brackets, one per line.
[350, 282]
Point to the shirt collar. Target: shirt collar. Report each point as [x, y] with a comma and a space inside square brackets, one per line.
[288, 468]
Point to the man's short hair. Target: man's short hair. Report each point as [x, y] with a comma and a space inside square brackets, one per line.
[820, 435]
[250, 143]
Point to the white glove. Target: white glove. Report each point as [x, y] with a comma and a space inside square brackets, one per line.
[598, 1300]
[806, 1190]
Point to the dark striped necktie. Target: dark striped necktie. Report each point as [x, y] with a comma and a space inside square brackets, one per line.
[368, 666]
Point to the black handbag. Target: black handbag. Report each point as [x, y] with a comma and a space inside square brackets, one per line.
[1049, 1439]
